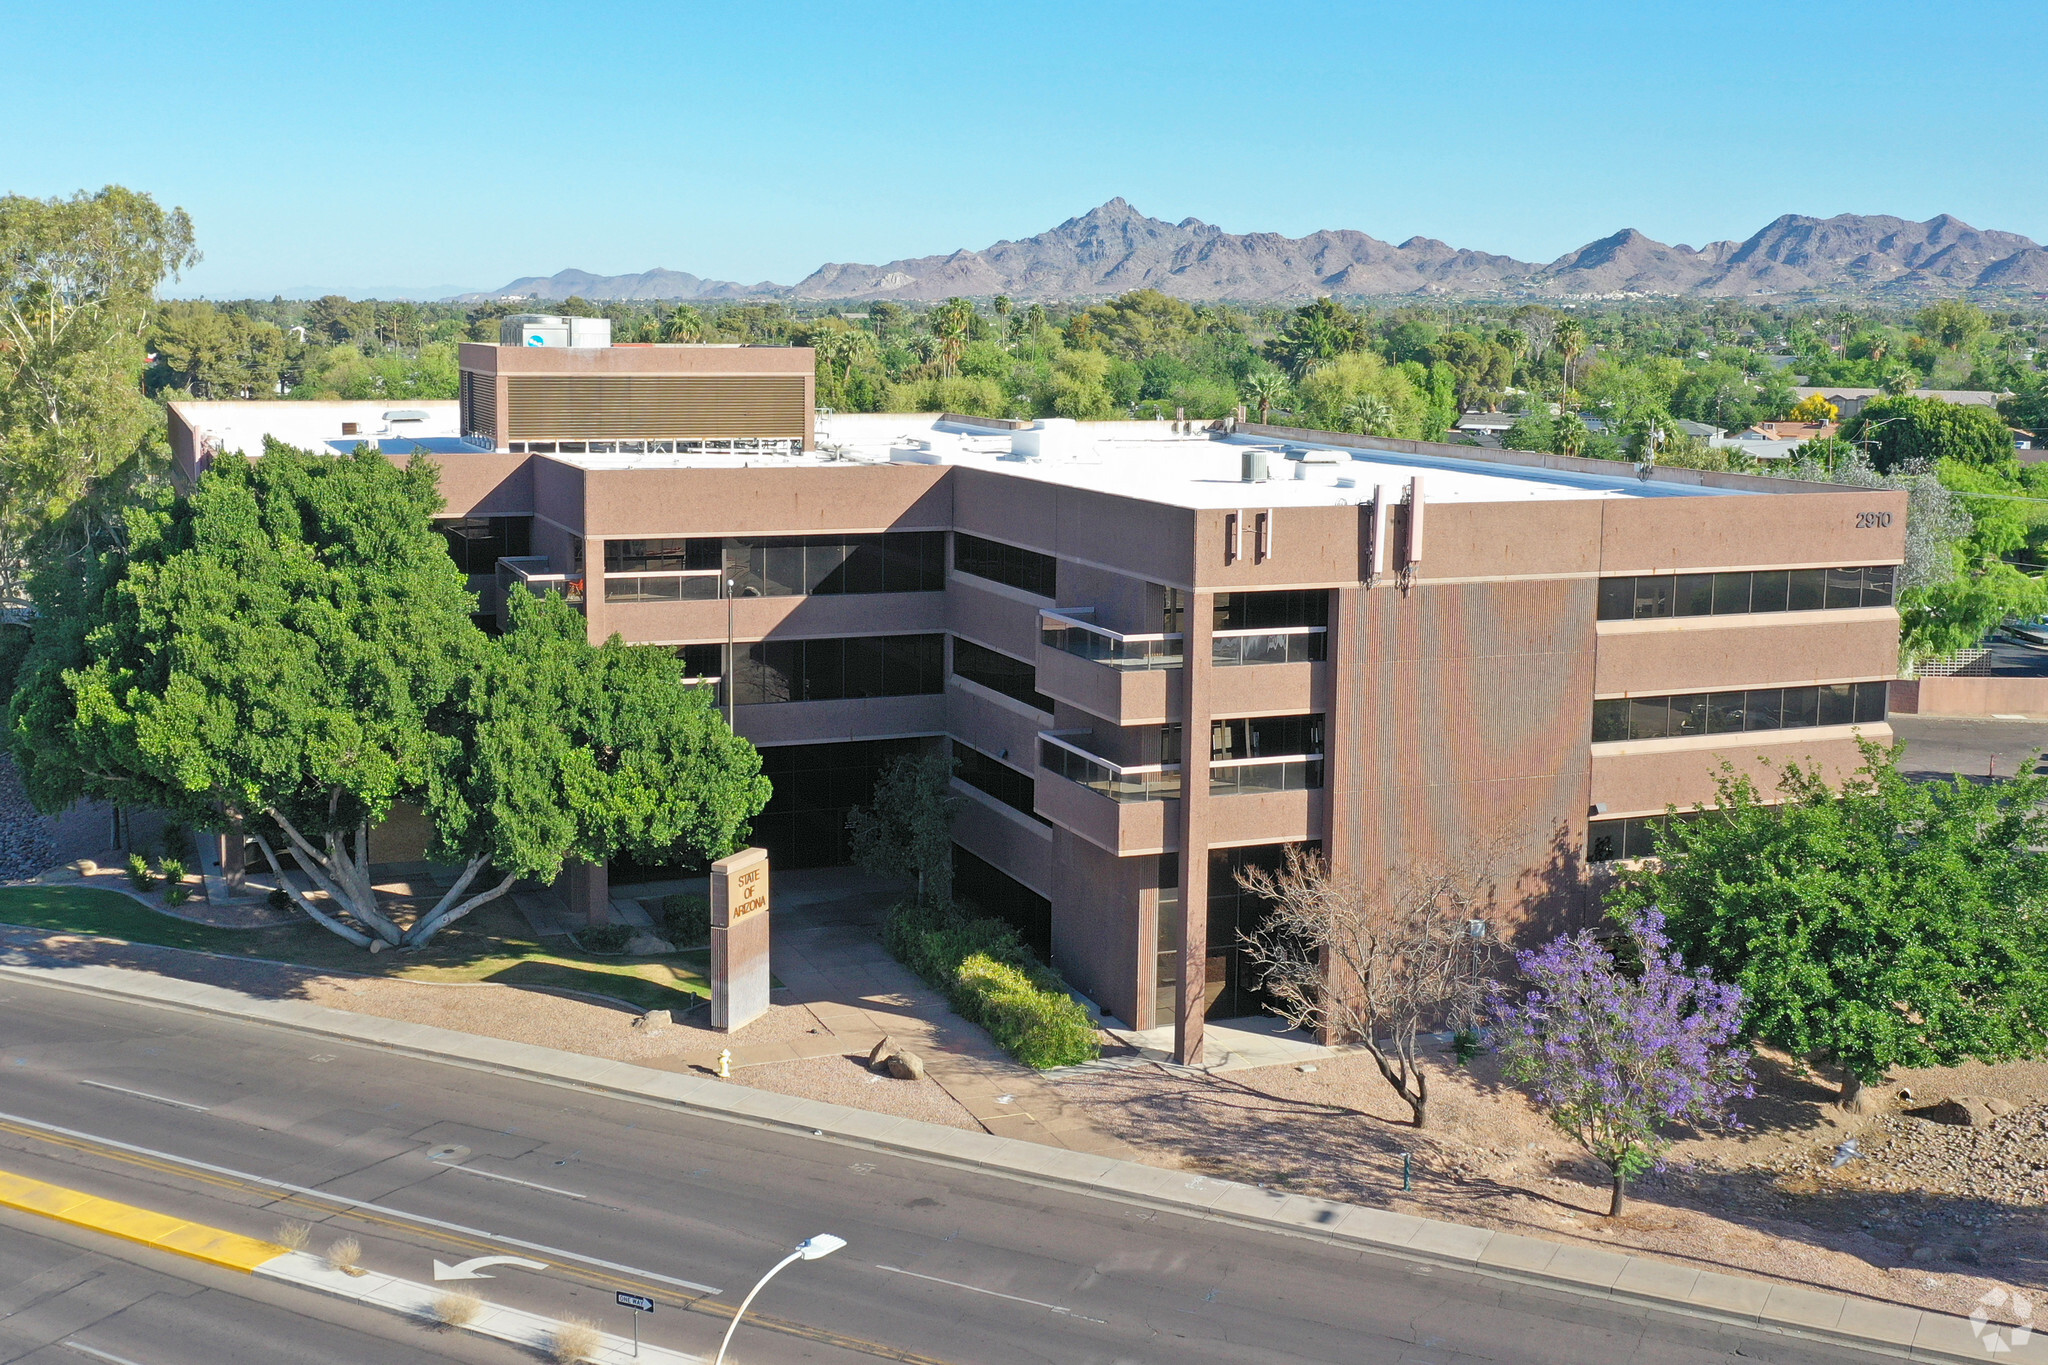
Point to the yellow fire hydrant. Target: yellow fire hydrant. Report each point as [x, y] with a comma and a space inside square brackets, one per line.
[725, 1064]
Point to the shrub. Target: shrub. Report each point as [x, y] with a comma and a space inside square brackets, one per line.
[457, 1308]
[139, 875]
[346, 1256]
[686, 920]
[176, 893]
[574, 1339]
[175, 842]
[992, 979]
[278, 899]
[294, 1234]
[604, 938]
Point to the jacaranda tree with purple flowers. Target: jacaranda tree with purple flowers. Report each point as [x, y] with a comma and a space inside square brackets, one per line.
[1618, 1051]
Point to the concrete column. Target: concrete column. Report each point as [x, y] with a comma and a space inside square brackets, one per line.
[1194, 828]
[593, 590]
[588, 889]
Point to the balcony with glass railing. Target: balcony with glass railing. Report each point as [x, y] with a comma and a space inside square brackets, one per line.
[1260, 774]
[1277, 645]
[1142, 782]
[531, 573]
[667, 585]
[1111, 648]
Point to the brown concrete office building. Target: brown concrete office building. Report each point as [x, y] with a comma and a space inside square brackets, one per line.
[1159, 654]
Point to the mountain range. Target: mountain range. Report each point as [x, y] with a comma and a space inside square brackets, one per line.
[1115, 248]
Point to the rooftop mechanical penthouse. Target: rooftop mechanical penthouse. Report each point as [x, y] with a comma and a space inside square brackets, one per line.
[1160, 653]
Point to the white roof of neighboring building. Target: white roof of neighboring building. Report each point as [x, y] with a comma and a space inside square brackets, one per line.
[1981, 398]
[311, 425]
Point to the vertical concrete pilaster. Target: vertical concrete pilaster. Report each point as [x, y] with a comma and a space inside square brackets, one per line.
[1194, 829]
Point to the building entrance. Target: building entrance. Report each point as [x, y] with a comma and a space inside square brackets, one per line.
[1231, 987]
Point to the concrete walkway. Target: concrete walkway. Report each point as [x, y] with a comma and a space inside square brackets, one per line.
[826, 950]
[1886, 1329]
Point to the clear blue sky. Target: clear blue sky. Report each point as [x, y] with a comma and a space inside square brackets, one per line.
[425, 143]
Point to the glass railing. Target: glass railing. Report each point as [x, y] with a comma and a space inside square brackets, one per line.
[530, 572]
[1148, 782]
[682, 585]
[1247, 776]
[1112, 649]
[1282, 645]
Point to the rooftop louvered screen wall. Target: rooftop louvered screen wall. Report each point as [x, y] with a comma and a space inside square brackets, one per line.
[479, 405]
[635, 407]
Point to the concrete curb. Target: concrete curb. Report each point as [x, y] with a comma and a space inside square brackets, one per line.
[1887, 1329]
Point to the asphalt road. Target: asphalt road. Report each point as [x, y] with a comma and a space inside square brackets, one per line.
[942, 1264]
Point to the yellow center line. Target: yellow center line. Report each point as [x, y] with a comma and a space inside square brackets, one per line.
[246, 1253]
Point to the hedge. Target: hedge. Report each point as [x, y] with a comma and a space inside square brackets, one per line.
[992, 979]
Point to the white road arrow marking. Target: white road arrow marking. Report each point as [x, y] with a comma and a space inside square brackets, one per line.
[469, 1269]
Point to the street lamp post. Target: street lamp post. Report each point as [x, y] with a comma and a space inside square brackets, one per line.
[810, 1249]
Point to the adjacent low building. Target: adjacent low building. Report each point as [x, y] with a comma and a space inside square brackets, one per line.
[1161, 653]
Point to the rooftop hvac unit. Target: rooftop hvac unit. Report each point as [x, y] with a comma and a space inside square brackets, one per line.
[590, 332]
[533, 329]
[1254, 465]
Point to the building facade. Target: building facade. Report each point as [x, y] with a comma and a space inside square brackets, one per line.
[1402, 653]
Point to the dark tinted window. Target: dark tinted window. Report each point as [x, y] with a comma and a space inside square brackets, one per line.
[773, 671]
[478, 543]
[1259, 736]
[998, 779]
[656, 556]
[1271, 610]
[1727, 594]
[832, 565]
[1000, 673]
[1695, 595]
[1019, 568]
[1721, 713]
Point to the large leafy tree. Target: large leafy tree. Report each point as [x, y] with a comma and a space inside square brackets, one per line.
[290, 650]
[1887, 923]
[1903, 430]
[77, 279]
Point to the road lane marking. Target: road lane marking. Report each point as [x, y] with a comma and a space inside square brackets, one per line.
[508, 1179]
[163, 1231]
[992, 1293]
[95, 1351]
[324, 1196]
[145, 1095]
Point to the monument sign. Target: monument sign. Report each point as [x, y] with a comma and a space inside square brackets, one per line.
[739, 939]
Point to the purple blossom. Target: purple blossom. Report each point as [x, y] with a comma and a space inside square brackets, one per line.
[1616, 1055]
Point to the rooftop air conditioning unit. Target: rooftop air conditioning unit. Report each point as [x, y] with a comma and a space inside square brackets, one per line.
[590, 332]
[537, 329]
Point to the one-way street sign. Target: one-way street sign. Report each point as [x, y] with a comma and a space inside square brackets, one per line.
[639, 1301]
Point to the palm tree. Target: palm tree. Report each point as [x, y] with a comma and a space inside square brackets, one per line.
[1369, 415]
[1570, 338]
[952, 322]
[1263, 389]
[1567, 434]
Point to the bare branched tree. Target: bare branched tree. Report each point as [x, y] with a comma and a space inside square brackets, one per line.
[1373, 965]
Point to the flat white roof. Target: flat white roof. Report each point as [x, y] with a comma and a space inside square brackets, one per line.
[1146, 460]
[239, 426]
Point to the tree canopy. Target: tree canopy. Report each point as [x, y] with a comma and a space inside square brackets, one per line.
[1890, 923]
[290, 650]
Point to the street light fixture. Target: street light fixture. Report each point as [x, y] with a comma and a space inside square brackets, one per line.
[809, 1249]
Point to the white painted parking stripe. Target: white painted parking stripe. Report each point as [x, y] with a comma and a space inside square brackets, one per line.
[95, 1351]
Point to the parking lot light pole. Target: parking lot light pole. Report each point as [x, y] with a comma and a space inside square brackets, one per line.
[809, 1249]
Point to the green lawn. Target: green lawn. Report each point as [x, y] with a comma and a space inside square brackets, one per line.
[493, 944]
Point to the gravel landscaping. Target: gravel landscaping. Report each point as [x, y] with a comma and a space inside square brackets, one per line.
[26, 847]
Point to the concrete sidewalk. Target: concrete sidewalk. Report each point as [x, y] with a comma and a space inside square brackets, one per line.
[1882, 1328]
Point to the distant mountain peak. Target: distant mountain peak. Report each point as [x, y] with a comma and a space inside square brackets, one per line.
[1113, 248]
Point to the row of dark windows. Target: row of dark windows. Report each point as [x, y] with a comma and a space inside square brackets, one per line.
[1731, 594]
[1716, 713]
[478, 543]
[987, 887]
[771, 671]
[1256, 736]
[1633, 837]
[997, 778]
[814, 785]
[1000, 673]
[1019, 568]
[794, 566]
[1272, 610]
